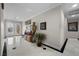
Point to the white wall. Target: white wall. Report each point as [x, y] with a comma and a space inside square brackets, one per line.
[73, 34]
[55, 26]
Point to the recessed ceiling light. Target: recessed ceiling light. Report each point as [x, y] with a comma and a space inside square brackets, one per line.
[75, 5]
[73, 16]
[17, 17]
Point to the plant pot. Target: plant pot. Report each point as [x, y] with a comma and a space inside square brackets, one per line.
[39, 44]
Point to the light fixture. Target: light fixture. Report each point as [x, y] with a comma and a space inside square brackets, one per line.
[75, 5]
[72, 15]
[17, 17]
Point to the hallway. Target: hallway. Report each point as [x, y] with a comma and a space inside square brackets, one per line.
[47, 24]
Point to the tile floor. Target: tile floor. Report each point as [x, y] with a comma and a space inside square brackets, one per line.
[29, 49]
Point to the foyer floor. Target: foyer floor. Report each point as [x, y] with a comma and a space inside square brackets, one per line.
[29, 49]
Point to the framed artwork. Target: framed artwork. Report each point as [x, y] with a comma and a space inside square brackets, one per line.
[10, 29]
[18, 29]
[28, 22]
[43, 26]
[73, 26]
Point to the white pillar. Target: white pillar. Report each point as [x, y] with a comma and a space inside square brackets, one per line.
[1, 30]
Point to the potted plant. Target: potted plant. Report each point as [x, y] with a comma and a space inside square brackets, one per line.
[39, 38]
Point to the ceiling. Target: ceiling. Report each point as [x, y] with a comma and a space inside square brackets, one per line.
[25, 11]
[71, 10]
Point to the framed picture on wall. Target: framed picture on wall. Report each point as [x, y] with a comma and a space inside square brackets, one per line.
[10, 29]
[27, 22]
[43, 26]
[73, 26]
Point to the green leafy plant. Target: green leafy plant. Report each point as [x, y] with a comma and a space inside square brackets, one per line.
[39, 38]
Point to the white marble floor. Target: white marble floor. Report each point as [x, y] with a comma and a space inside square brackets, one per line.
[29, 49]
[72, 48]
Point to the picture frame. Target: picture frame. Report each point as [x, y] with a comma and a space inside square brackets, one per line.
[10, 29]
[73, 26]
[43, 26]
[27, 22]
